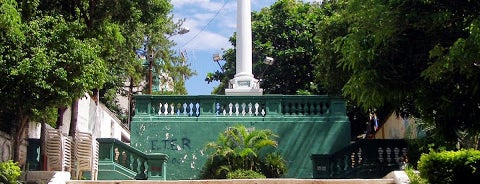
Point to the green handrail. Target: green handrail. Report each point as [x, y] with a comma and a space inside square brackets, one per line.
[367, 158]
[149, 166]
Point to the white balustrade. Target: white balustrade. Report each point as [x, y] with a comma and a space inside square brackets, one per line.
[178, 109]
[239, 109]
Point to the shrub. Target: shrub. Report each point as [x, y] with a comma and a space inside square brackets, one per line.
[450, 166]
[241, 149]
[210, 169]
[244, 174]
[414, 176]
[9, 172]
[274, 166]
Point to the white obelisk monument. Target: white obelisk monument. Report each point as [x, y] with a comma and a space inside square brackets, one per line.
[244, 82]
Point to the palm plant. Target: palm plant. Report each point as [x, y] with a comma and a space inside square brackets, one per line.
[239, 148]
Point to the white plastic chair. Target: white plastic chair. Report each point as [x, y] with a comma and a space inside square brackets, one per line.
[58, 150]
[86, 155]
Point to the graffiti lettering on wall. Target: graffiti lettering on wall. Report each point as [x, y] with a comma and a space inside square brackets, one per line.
[186, 159]
[175, 145]
[175, 161]
[170, 144]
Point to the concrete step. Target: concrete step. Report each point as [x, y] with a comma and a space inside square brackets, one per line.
[52, 177]
[244, 181]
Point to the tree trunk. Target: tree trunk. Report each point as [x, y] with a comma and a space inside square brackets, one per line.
[130, 103]
[61, 111]
[43, 150]
[18, 136]
[73, 122]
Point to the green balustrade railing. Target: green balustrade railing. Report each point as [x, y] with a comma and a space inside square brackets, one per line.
[118, 157]
[228, 106]
[367, 158]
[181, 126]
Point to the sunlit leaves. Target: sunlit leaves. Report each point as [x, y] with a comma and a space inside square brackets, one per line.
[285, 31]
[57, 67]
[241, 148]
[416, 54]
[10, 19]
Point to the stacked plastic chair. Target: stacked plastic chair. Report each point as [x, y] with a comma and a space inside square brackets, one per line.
[58, 150]
[85, 155]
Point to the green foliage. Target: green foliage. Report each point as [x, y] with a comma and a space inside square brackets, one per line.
[414, 176]
[48, 115]
[46, 63]
[274, 165]
[416, 58]
[227, 70]
[244, 174]
[56, 66]
[331, 26]
[10, 19]
[285, 32]
[450, 166]
[413, 57]
[52, 53]
[9, 172]
[241, 149]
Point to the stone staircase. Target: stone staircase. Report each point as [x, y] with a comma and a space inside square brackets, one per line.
[246, 181]
[394, 177]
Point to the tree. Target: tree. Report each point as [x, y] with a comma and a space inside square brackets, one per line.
[227, 70]
[45, 65]
[331, 26]
[241, 149]
[53, 52]
[121, 28]
[284, 31]
[418, 57]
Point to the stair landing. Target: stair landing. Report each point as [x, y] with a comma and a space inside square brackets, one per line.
[245, 181]
[394, 177]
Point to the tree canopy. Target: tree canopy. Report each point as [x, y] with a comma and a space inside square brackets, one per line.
[285, 32]
[55, 51]
[417, 58]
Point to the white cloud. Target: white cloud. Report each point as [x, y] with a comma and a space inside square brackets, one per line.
[180, 3]
[209, 33]
[205, 5]
[202, 40]
[211, 23]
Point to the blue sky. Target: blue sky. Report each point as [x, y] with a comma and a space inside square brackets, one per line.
[211, 23]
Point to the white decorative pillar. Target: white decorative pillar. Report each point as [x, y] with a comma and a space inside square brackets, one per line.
[244, 82]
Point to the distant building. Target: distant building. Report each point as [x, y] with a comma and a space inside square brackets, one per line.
[398, 127]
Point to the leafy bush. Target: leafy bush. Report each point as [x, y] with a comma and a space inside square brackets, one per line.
[274, 166]
[241, 149]
[414, 176]
[244, 174]
[210, 169]
[9, 172]
[450, 166]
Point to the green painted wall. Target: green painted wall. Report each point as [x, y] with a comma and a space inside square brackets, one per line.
[301, 131]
